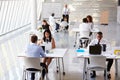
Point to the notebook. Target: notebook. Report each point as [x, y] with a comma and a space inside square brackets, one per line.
[95, 49]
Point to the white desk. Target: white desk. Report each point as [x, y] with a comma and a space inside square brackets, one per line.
[54, 53]
[108, 54]
[58, 53]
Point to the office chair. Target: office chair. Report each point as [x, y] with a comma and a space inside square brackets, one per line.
[97, 63]
[31, 63]
[84, 39]
[83, 42]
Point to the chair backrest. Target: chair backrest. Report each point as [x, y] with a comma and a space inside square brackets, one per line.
[30, 62]
[84, 41]
[97, 61]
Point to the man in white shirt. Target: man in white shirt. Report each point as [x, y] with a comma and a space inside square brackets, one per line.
[101, 41]
[52, 21]
[66, 12]
[85, 30]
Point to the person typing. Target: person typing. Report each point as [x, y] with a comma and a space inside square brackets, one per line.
[104, 43]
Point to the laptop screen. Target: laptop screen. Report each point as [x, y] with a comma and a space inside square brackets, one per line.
[95, 49]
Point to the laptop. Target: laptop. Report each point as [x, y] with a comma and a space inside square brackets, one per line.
[95, 49]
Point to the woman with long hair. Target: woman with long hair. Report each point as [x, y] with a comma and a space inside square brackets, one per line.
[49, 43]
[90, 20]
[45, 25]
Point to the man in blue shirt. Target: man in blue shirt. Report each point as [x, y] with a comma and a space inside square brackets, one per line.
[34, 50]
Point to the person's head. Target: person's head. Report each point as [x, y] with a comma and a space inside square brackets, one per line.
[44, 22]
[89, 18]
[34, 38]
[53, 14]
[47, 35]
[99, 35]
[84, 20]
[65, 19]
[65, 5]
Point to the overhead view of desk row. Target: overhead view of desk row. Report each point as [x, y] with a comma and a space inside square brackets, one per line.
[96, 47]
[59, 39]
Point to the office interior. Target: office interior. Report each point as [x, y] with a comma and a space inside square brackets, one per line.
[20, 18]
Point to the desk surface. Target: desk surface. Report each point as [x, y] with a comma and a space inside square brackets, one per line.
[57, 52]
[86, 54]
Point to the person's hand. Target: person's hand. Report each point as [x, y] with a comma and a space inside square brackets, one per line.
[40, 42]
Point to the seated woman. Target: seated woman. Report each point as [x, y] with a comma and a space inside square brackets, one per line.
[46, 26]
[49, 43]
[64, 24]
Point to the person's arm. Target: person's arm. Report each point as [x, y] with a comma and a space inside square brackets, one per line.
[40, 42]
[90, 28]
[68, 11]
[93, 42]
[54, 20]
[50, 28]
[92, 25]
[53, 43]
[43, 26]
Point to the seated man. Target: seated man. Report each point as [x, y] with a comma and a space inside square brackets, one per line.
[85, 30]
[101, 41]
[34, 50]
[53, 23]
